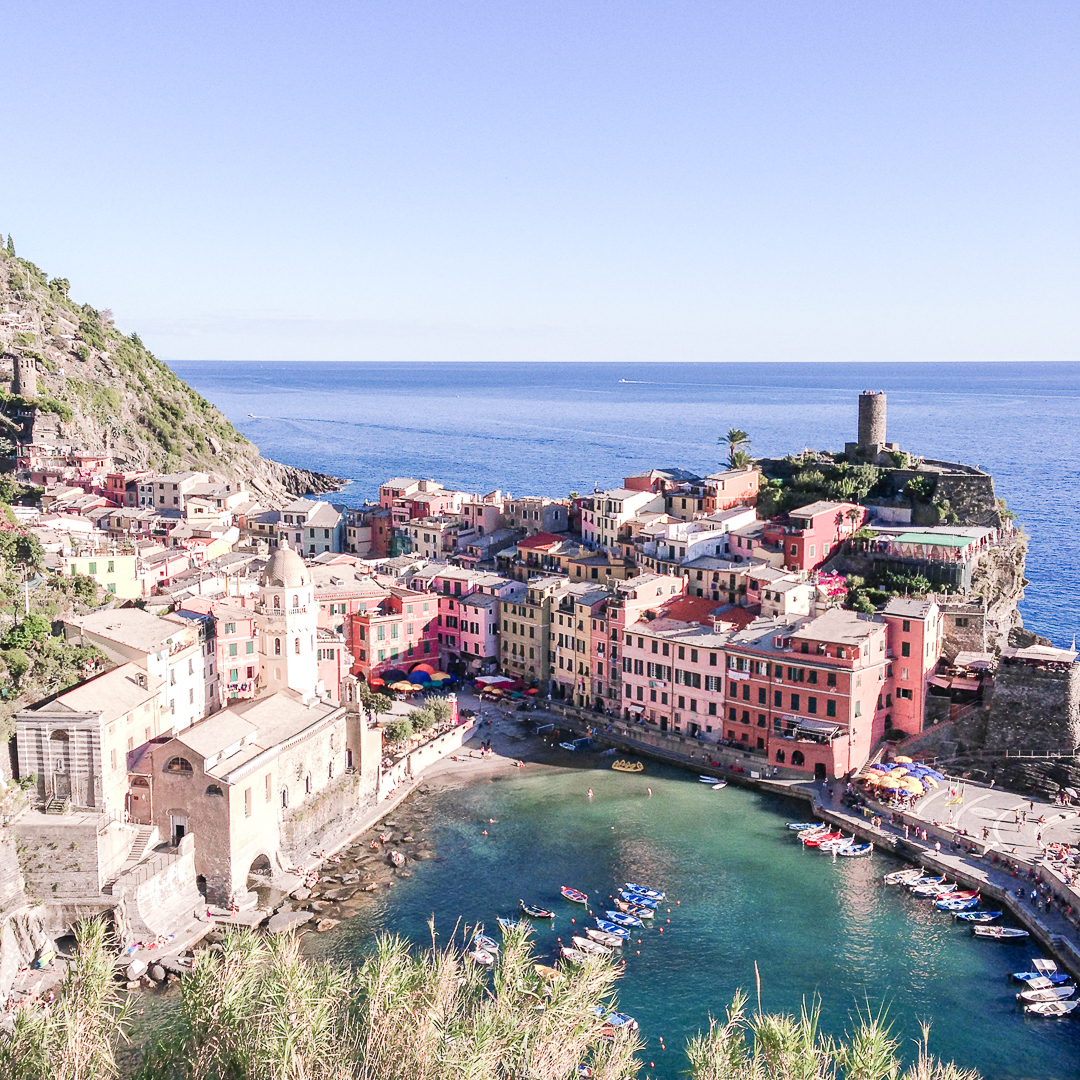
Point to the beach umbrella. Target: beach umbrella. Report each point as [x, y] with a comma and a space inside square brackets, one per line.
[440, 676]
[401, 687]
[532, 691]
[393, 675]
[872, 779]
[903, 760]
[911, 785]
[424, 667]
[376, 682]
[419, 677]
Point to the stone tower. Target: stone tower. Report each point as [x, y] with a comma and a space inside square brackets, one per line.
[25, 383]
[871, 421]
[287, 617]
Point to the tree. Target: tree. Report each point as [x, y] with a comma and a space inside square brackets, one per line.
[398, 730]
[33, 630]
[738, 444]
[918, 489]
[10, 247]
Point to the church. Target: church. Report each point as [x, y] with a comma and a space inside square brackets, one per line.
[260, 782]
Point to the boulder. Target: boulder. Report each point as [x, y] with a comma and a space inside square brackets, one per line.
[301, 894]
[157, 973]
[287, 920]
[325, 924]
[338, 894]
[135, 970]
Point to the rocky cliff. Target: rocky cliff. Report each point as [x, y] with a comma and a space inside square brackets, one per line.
[76, 379]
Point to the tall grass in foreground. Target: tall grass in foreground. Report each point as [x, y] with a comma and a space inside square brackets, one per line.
[256, 1010]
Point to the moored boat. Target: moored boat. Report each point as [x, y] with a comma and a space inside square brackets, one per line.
[819, 839]
[575, 956]
[957, 905]
[827, 847]
[628, 766]
[617, 1019]
[481, 956]
[900, 877]
[506, 924]
[978, 916]
[999, 933]
[916, 883]
[612, 941]
[575, 896]
[546, 971]
[652, 894]
[482, 941]
[622, 919]
[856, 851]
[1045, 990]
[933, 891]
[1051, 1008]
[589, 946]
[534, 911]
[635, 910]
[802, 826]
[612, 928]
[709, 779]
[1056, 978]
[637, 898]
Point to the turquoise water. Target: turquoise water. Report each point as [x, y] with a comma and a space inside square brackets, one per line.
[741, 890]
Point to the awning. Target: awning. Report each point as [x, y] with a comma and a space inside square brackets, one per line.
[819, 727]
[639, 709]
[940, 680]
[494, 680]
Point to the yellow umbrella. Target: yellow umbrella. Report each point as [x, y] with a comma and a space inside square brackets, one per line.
[872, 779]
[401, 687]
[903, 761]
[909, 783]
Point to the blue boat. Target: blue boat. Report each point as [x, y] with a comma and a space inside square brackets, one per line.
[623, 920]
[957, 905]
[622, 1020]
[641, 890]
[611, 928]
[1056, 977]
[507, 924]
[638, 898]
[801, 826]
[978, 916]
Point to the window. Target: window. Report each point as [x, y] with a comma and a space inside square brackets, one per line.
[232, 648]
[284, 798]
[234, 674]
[778, 699]
[794, 702]
[905, 648]
[215, 791]
[780, 756]
[296, 647]
[797, 758]
[179, 766]
[247, 802]
[269, 793]
[830, 708]
[831, 679]
[811, 704]
[249, 647]
[905, 693]
[277, 646]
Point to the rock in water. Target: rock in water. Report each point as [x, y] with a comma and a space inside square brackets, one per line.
[325, 924]
[288, 920]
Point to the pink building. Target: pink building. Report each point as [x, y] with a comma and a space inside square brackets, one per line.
[333, 659]
[807, 536]
[236, 644]
[915, 638]
[478, 638]
[395, 633]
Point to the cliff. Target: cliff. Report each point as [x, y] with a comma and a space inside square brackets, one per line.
[76, 379]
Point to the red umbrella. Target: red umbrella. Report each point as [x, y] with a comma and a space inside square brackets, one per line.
[532, 691]
[376, 682]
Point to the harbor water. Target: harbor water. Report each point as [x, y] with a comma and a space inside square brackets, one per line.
[741, 890]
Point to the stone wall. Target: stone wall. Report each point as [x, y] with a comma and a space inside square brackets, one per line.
[160, 895]
[70, 856]
[23, 938]
[333, 807]
[1034, 709]
[964, 626]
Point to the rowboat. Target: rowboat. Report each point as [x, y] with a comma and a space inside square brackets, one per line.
[612, 941]
[856, 851]
[568, 746]
[814, 830]
[914, 883]
[708, 779]
[536, 912]
[931, 892]
[628, 766]
[802, 826]
[575, 956]
[633, 909]
[547, 972]
[1055, 978]
[827, 847]
[507, 924]
[999, 933]
[637, 898]
[641, 890]
[957, 905]
[481, 956]
[587, 945]
[622, 919]
[719, 785]
[1052, 1008]
[575, 896]
[482, 941]
[622, 1020]
[613, 928]
[961, 894]
[978, 916]
[819, 839]
[902, 877]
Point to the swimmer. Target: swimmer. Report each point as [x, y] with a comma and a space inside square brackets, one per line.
[590, 793]
[649, 790]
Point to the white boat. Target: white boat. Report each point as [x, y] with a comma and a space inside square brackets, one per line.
[1051, 1008]
[612, 941]
[1045, 990]
[481, 956]
[652, 894]
[719, 785]
[900, 877]
[481, 941]
[932, 890]
[575, 956]
[827, 847]
[999, 933]
[589, 946]
[857, 851]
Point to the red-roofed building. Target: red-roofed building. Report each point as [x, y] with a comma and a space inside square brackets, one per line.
[809, 535]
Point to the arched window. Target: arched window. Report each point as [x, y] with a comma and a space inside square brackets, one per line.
[213, 789]
[277, 602]
[296, 647]
[780, 755]
[277, 646]
[179, 765]
[798, 758]
[284, 798]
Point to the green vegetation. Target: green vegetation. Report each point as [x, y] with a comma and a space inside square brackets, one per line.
[738, 447]
[257, 1010]
[398, 730]
[798, 481]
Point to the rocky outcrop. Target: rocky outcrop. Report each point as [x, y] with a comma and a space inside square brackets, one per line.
[81, 381]
[23, 939]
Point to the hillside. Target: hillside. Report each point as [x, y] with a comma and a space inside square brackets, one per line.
[98, 388]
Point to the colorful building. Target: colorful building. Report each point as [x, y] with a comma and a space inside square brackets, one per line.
[808, 536]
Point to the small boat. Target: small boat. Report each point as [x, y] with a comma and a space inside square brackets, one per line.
[635, 910]
[1045, 990]
[546, 972]
[628, 766]
[507, 924]
[622, 919]
[819, 839]
[612, 928]
[481, 956]
[932, 891]
[856, 851]
[534, 911]
[815, 830]
[977, 916]
[568, 746]
[1052, 1008]
[827, 847]
[619, 1020]
[999, 933]
[901, 877]
[575, 956]
[961, 894]
[915, 883]
[589, 946]
[803, 826]
[482, 941]
[612, 941]
[957, 905]
[637, 899]
[719, 785]
[641, 890]
[709, 779]
[1056, 978]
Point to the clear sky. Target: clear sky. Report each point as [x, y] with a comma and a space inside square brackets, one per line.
[579, 180]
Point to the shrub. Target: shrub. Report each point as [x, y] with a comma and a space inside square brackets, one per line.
[397, 730]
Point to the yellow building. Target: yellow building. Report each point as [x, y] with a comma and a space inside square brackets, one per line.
[118, 575]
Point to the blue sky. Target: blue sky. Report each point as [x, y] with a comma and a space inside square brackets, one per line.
[801, 180]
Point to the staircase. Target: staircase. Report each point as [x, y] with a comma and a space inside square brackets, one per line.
[146, 837]
[57, 806]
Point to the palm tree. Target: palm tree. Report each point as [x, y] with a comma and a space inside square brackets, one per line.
[738, 444]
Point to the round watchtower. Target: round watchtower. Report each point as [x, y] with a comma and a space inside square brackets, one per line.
[25, 383]
[871, 419]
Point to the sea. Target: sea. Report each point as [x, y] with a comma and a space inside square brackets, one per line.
[553, 428]
[745, 899]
